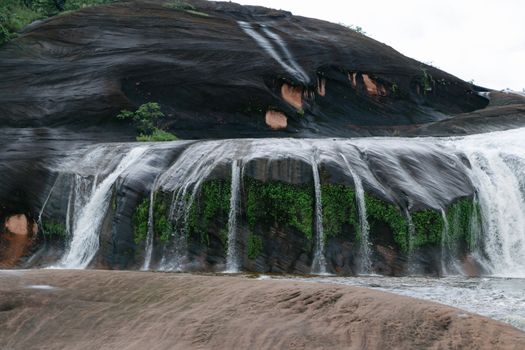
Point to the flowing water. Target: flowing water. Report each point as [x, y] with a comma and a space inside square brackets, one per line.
[151, 226]
[365, 263]
[319, 262]
[85, 241]
[502, 299]
[419, 172]
[287, 62]
[232, 257]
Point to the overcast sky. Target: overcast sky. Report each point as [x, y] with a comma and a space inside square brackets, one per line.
[483, 40]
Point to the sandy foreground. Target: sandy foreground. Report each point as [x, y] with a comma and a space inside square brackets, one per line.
[59, 309]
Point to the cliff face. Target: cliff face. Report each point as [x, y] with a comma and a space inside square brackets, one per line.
[221, 70]
[218, 70]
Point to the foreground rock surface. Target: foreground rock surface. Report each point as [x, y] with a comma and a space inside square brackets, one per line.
[138, 310]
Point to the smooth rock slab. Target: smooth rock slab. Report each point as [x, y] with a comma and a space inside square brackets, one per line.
[137, 310]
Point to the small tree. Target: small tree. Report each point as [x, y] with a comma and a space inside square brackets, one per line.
[145, 119]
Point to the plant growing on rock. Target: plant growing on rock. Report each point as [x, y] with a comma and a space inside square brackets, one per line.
[145, 119]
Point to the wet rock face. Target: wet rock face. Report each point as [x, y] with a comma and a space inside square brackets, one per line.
[216, 70]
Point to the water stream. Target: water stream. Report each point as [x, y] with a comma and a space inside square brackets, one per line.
[365, 263]
[425, 172]
[85, 241]
[319, 261]
[232, 256]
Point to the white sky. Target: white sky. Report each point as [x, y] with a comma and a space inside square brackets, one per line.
[483, 40]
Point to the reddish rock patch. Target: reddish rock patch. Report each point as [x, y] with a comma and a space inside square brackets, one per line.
[17, 224]
[321, 87]
[276, 120]
[292, 95]
[373, 88]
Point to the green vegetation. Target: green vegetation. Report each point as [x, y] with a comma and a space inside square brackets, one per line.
[354, 28]
[180, 5]
[140, 222]
[339, 210]
[255, 246]
[162, 227]
[428, 227]
[145, 119]
[211, 207]
[460, 218]
[157, 135]
[53, 228]
[161, 222]
[379, 211]
[16, 14]
[427, 81]
[277, 202]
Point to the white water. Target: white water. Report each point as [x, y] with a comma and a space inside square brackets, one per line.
[502, 299]
[498, 172]
[85, 240]
[280, 42]
[319, 261]
[232, 258]
[292, 67]
[428, 171]
[365, 263]
[184, 179]
[151, 227]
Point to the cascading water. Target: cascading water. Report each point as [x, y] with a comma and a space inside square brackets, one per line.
[232, 258]
[319, 261]
[365, 263]
[498, 171]
[292, 67]
[184, 179]
[489, 168]
[85, 241]
[284, 48]
[445, 244]
[151, 232]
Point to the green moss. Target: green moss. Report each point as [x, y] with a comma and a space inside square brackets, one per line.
[277, 202]
[140, 222]
[428, 227]
[161, 223]
[157, 135]
[51, 228]
[210, 208]
[339, 209]
[460, 217]
[379, 211]
[255, 246]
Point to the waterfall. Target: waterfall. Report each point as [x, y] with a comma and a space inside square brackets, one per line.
[184, 179]
[428, 172]
[293, 68]
[280, 42]
[232, 258]
[498, 172]
[319, 262]
[446, 255]
[365, 263]
[85, 240]
[151, 229]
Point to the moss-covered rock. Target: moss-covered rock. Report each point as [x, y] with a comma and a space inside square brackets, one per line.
[339, 210]
[210, 210]
[284, 204]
